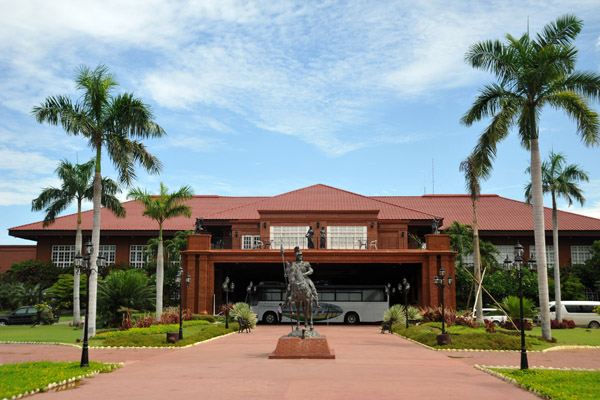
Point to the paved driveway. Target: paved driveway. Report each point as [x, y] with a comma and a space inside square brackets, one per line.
[368, 365]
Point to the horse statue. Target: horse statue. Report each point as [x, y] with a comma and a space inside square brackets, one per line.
[301, 293]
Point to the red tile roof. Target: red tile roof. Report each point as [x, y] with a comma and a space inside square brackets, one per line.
[495, 213]
[318, 198]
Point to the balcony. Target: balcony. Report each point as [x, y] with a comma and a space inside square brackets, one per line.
[290, 242]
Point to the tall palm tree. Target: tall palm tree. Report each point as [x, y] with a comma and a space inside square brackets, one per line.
[533, 73]
[472, 173]
[77, 185]
[559, 180]
[109, 122]
[161, 208]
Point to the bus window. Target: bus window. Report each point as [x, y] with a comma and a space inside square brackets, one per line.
[347, 295]
[326, 295]
[373, 295]
[271, 295]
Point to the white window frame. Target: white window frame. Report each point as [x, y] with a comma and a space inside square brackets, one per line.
[250, 242]
[580, 254]
[505, 250]
[63, 255]
[347, 237]
[109, 251]
[550, 261]
[137, 257]
[288, 236]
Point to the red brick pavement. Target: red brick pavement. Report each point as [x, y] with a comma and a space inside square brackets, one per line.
[368, 365]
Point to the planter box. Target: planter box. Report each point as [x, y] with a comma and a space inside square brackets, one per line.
[172, 337]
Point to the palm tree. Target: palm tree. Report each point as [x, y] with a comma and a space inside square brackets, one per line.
[472, 173]
[560, 181]
[77, 186]
[533, 73]
[161, 208]
[109, 122]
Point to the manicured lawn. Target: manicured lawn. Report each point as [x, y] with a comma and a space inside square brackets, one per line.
[557, 385]
[194, 331]
[17, 379]
[477, 338]
[576, 336]
[40, 333]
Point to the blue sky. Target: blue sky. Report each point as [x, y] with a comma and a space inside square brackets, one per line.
[260, 98]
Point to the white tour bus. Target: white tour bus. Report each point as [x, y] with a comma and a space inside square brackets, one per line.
[350, 304]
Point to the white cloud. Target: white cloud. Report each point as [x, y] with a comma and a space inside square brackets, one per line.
[23, 163]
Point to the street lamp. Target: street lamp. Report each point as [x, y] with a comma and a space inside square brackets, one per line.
[83, 264]
[250, 290]
[227, 288]
[441, 282]
[389, 291]
[178, 282]
[518, 251]
[405, 287]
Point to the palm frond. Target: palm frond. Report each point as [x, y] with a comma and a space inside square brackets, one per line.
[576, 107]
[560, 32]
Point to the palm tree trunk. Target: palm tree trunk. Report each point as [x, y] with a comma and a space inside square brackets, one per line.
[76, 274]
[93, 279]
[159, 274]
[539, 232]
[557, 297]
[477, 266]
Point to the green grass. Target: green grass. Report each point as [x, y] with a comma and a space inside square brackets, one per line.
[557, 385]
[576, 336]
[194, 331]
[40, 333]
[157, 338]
[463, 337]
[17, 379]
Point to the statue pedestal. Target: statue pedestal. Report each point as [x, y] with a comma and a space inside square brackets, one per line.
[295, 347]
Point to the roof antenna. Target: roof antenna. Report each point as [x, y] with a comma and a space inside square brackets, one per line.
[528, 26]
[424, 184]
[432, 177]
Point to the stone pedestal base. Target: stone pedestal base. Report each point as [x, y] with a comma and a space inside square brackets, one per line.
[294, 347]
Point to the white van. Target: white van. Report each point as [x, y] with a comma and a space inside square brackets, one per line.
[581, 312]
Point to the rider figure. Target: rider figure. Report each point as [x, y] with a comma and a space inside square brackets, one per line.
[306, 270]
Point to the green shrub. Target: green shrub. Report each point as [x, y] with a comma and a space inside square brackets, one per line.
[151, 330]
[244, 311]
[129, 289]
[203, 317]
[511, 305]
[396, 313]
[159, 339]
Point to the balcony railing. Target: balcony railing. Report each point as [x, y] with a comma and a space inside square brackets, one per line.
[290, 242]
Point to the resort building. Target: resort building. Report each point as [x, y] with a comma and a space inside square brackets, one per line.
[347, 238]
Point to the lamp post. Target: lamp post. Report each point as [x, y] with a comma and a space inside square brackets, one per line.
[441, 282]
[179, 283]
[518, 264]
[250, 290]
[404, 287]
[83, 264]
[227, 288]
[389, 291]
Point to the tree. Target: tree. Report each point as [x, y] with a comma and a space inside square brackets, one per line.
[531, 74]
[472, 173]
[77, 185]
[161, 208]
[559, 180]
[109, 122]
